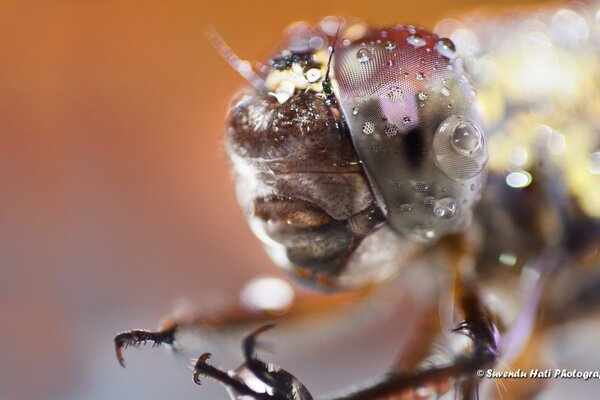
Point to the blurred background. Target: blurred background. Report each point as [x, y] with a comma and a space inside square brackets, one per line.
[116, 197]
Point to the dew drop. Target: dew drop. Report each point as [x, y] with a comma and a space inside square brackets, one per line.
[395, 94]
[446, 48]
[466, 138]
[416, 41]
[421, 186]
[444, 208]
[426, 234]
[363, 55]
[445, 91]
[368, 128]
[389, 46]
[423, 96]
[420, 76]
[390, 130]
[459, 148]
[406, 120]
[405, 207]
[355, 111]
[313, 75]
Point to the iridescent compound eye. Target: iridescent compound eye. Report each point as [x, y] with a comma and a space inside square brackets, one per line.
[413, 122]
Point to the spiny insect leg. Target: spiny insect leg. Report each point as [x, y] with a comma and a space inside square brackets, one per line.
[205, 369]
[477, 326]
[140, 337]
[305, 308]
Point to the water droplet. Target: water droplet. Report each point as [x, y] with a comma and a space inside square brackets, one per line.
[518, 179]
[389, 46]
[466, 138]
[405, 207]
[395, 94]
[368, 128]
[425, 234]
[416, 41]
[363, 55]
[390, 130]
[421, 186]
[420, 76]
[459, 148]
[445, 91]
[594, 162]
[406, 120]
[313, 75]
[390, 63]
[355, 111]
[423, 96]
[444, 208]
[412, 30]
[446, 48]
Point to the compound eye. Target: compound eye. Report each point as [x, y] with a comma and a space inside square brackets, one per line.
[459, 148]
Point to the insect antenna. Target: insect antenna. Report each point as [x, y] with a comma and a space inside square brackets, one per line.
[327, 89]
[243, 67]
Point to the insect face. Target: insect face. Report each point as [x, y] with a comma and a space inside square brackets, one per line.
[412, 117]
[397, 142]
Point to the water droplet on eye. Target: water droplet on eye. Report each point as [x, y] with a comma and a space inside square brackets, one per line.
[412, 30]
[416, 41]
[390, 46]
[420, 76]
[446, 48]
[313, 75]
[395, 94]
[406, 120]
[368, 128]
[363, 55]
[390, 130]
[444, 208]
[445, 91]
[421, 186]
[466, 138]
[405, 207]
[422, 96]
[355, 111]
[426, 234]
[459, 148]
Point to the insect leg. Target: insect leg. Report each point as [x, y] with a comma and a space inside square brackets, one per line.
[478, 326]
[236, 319]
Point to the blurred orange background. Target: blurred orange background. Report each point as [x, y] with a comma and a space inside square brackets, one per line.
[117, 200]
